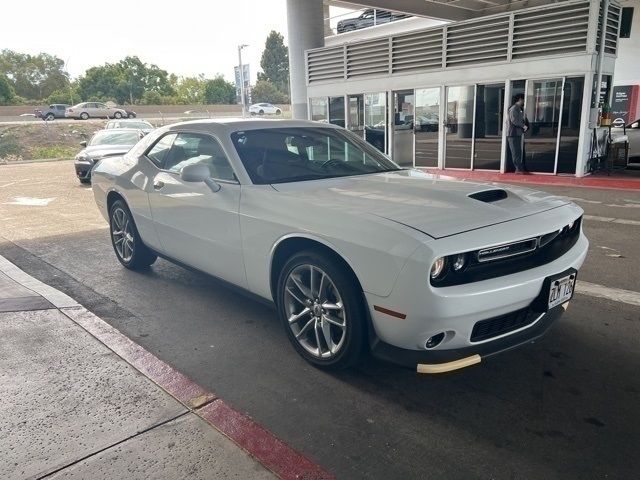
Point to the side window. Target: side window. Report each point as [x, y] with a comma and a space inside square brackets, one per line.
[193, 148]
[158, 152]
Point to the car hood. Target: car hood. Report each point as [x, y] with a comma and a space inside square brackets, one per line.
[99, 151]
[434, 205]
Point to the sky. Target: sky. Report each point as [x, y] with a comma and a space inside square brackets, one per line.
[187, 37]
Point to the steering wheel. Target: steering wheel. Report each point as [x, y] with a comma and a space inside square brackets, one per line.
[330, 161]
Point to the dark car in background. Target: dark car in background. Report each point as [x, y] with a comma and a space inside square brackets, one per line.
[103, 144]
[369, 18]
[55, 110]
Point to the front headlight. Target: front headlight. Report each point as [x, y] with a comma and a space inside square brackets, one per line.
[438, 267]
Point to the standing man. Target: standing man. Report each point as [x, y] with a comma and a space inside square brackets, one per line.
[516, 126]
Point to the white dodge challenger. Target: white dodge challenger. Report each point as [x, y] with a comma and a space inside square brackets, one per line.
[356, 253]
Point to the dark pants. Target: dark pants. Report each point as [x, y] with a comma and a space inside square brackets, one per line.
[516, 146]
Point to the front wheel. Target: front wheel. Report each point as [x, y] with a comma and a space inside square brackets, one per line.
[322, 310]
[84, 116]
[49, 117]
[126, 241]
[261, 112]
[117, 115]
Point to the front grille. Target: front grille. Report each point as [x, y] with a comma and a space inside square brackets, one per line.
[493, 327]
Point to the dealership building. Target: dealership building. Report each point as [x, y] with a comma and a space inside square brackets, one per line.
[433, 90]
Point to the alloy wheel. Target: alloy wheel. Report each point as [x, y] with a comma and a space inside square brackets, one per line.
[315, 311]
[122, 234]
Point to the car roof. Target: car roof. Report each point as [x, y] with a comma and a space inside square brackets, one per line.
[118, 130]
[129, 120]
[229, 124]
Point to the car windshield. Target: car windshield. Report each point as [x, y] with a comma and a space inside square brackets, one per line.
[281, 155]
[115, 138]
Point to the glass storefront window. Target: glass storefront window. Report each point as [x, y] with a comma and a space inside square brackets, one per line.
[459, 129]
[488, 126]
[403, 121]
[319, 109]
[356, 115]
[570, 130]
[336, 111]
[542, 108]
[375, 120]
[427, 125]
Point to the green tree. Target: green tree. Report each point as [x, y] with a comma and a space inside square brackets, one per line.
[6, 91]
[190, 90]
[125, 81]
[275, 62]
[151, 98]
[219, 91]
[266, 91]
[33, 77]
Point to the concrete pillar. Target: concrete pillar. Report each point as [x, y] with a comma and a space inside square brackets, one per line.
[305, 25]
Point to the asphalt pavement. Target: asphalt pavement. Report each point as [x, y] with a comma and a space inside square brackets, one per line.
[565, 407]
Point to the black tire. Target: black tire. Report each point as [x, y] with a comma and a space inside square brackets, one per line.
[351, 349]
[141, 256]
[49, 116]
[261, 112]
[117, 115]
[278, 112]
[85, 181]
[84, 116]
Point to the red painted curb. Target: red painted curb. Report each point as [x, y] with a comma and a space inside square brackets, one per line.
[266, 448]
[613, 183]
[274, 454]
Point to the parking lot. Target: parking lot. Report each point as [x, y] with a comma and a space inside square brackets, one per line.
[565, 407]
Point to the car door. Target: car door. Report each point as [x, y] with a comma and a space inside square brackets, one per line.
[196, 225]
[102, 110]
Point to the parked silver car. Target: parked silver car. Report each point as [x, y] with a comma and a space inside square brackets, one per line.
[88, 110]
[142, 125]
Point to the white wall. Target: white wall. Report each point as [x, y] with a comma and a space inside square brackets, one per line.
[628, 63]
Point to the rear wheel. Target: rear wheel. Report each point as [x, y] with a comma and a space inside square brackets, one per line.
[278, 112]
[84, 116]
[126, 241]
[322, 310]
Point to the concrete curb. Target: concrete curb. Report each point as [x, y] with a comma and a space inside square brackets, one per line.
[274, 454]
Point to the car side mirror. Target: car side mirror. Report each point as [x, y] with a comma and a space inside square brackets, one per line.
[199, 173]
[83, 143]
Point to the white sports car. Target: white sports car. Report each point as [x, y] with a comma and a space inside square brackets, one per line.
[264, 108]
[356, 253]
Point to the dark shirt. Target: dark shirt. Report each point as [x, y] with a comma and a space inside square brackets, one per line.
[516, 121]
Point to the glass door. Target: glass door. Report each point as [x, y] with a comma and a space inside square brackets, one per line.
[459, 127]
[403, 128]
[542, 108]
[426, 127]
[355, 118]
[336, 111]
[487, 133]
[573, 92]
[375, 120]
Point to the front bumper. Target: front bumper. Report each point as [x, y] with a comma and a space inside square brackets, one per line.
[440, 361]
[83, 169]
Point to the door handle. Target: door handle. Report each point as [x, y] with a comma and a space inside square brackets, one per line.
[158, 184]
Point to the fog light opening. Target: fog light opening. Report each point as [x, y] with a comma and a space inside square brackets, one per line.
[434, 341]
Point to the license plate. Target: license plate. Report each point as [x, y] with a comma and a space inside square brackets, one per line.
[561, 290]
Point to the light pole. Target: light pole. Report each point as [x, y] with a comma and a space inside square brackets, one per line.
[240, 47]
